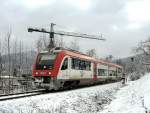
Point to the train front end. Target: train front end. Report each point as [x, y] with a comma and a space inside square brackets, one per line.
[45, 70]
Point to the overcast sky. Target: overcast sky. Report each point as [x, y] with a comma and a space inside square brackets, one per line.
[122, 22]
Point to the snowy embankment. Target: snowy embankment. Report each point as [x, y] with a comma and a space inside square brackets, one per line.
[134, 98]
[85, 100]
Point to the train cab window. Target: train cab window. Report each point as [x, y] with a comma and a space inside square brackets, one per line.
[65, 64]
[45, 59]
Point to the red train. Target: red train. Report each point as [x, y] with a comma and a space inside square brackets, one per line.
[60, 68]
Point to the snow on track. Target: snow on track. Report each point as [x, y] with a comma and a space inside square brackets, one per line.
[134, 98]
[85, 100]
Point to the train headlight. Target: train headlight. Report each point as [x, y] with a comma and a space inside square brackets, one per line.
[36, 73]
[49, 73]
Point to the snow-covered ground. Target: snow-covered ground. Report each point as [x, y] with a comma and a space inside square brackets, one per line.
[110, 98]
[85, 100]
[134, 98]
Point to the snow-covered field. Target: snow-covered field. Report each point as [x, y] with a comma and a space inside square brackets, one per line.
[85, 100]
[109, 98]
[134, 98]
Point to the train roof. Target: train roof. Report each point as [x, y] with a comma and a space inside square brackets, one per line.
[86, 57]
[78, 54]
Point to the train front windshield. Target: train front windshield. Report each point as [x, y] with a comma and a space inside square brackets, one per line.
[45, 61]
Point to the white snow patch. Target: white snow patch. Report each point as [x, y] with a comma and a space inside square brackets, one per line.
[85, 100]
[134, 98]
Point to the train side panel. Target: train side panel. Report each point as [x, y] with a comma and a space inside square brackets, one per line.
[74, 73]
[102, 72]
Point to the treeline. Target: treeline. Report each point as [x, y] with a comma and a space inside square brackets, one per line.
[15, 56]
[138, 64]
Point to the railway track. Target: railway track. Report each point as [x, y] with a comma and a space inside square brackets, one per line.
[22, 95]
[40, 92]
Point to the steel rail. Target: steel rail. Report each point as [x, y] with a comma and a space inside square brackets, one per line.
[21, 95]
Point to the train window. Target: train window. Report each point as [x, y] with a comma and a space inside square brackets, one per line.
[73, 63]
[102, 72]
[85, 65]
[65, 64]
[80, 64]
[112, 73]
[119, 70]
[88, 65]
[77, 64]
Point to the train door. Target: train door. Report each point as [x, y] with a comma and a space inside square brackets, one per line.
[65, 68]
[95, 72]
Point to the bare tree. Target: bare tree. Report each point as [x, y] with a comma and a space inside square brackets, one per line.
[0, 63]
[59, 42]
[91, 52]
[143, 51]
[15, 51]
[21, 56]
[42, 43]
[7, 38]
[0, 57]
[0, 45]
[39, 45]
[143, 47]
[135, 67]
[74, 45]
[44, 40]
[109, 58]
